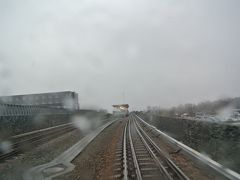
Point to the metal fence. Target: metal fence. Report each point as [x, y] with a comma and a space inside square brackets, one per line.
[29, 110]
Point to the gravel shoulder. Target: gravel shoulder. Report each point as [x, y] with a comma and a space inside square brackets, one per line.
[96, 161]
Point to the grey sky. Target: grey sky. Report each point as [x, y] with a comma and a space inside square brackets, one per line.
[157, 52]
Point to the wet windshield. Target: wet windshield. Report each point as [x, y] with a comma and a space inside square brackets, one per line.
[131, 89]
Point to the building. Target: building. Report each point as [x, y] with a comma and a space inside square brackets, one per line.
[121, 110]
[65, 99]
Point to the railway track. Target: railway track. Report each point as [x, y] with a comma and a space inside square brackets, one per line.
[23, 142]
[138, 157]
[210, 166]
[62, 164]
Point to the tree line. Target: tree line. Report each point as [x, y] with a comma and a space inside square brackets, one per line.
[207, 107]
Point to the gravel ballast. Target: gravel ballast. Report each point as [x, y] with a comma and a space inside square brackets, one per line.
[96, 161]
[15, 167]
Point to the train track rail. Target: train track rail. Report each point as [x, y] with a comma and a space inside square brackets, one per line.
[140, 158]
[62, 164]
[24, 142]
[212, 167]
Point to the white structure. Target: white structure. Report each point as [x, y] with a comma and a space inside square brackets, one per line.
[121, 110]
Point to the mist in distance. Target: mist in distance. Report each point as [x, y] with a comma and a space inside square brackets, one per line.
[156, 53]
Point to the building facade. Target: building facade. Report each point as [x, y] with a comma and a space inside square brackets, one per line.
[65, 100]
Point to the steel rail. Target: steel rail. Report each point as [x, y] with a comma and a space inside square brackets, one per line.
[39, 135]
[64, 160]
[125, 166]
[18, 147]
[177, 173]
[217, 168]
[40, 130]
[36, 138]
[135, 162]
[153, 155]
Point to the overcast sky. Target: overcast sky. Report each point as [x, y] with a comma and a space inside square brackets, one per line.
[142, 52]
